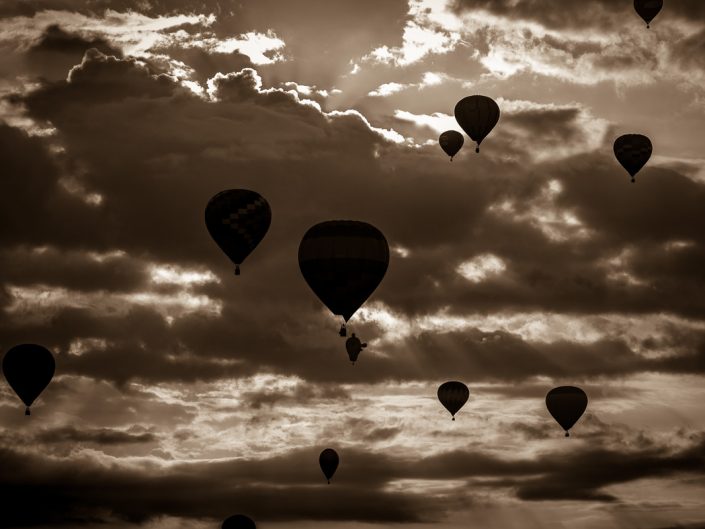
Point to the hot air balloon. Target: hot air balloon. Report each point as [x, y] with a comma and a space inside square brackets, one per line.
[354, 347]
[632, 151]
[648, 9]
[28, 369]
[566, 404]
[477, 115]
[451, 141]
[343, 261]
[238, 521]
[238, 220]
[329, 462]
[453, 395]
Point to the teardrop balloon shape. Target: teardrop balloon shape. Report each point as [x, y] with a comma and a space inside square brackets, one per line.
[238, 220]
[477, 115]
[329, 462]
[238, 521]
[451, 141]
[453, 395]
[633, 151]
[354, 346]
[648, 9]
[566, 404]
[28, 369]
[343, 261]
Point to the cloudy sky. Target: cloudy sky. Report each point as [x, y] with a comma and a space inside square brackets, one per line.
[185, 394]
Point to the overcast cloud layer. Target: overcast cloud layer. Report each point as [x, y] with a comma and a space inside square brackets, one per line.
[184, 394]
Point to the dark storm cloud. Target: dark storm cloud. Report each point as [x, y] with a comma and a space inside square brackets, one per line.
[97, 436]
[293, 483]
[183, 149]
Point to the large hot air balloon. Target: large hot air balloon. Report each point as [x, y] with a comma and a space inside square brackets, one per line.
[477, 115]
[28, 369]
[648, 9]
[633, 151]
[451, 141]
[329, 462]
[238, 521]
[343, 261]
[566, 404]
[238, 220]
[354, 346]
[453, 395]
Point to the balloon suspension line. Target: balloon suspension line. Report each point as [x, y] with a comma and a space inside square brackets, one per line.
[26, 411]
[328, 482]
[237, 269]
[343, 330]
[451, 158]
[477, 149]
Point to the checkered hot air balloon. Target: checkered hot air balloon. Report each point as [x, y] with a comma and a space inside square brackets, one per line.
[477, 115]
[633, 151]
[453, 395]
[566, 404]
[343, 261]
[238, 220]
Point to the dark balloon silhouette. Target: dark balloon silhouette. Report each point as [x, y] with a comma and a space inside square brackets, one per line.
[28, 369]
[238, 521]
[343, 261]
[633, 151]
[329, 462]
[648, 9]
[566, 404]
[451, 141]
[477, 115]
[354, 346]
[238, 220]
[453, 395]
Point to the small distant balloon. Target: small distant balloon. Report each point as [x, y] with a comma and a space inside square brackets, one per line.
[238, 220]
[354, 346]
[453, 395]
[329, 462]
[633, 151]
[28, 369]
[238, 521]
[343, 262]
[566, 404]
[451, 141]
[477, 116]
[648, 9]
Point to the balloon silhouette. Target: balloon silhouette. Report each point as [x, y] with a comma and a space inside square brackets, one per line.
[353, 346]
[633, 151]
[477, 115]
[648, 9]
[566, 404]
[453, 395]
[451, 141]
[329, 462]
[343, 261]
[28, 369]
[238, 220]
[238, 521]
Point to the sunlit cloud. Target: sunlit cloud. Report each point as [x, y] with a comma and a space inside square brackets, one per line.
[481, 268]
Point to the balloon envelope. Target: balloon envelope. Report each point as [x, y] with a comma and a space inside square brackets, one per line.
[477, 115]
[343, 261]
[329, 462]
[354, 346]
[451, 141]
[633, 151]
[453, 395]
[566, 404]
[238, 521]
[28, 369]
[238, 220]
[648, 9]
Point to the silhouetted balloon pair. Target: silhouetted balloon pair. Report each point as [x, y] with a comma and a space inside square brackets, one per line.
[477, 115]
[28, 369]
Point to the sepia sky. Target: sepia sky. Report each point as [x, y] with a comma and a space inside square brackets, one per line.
[184, 394]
